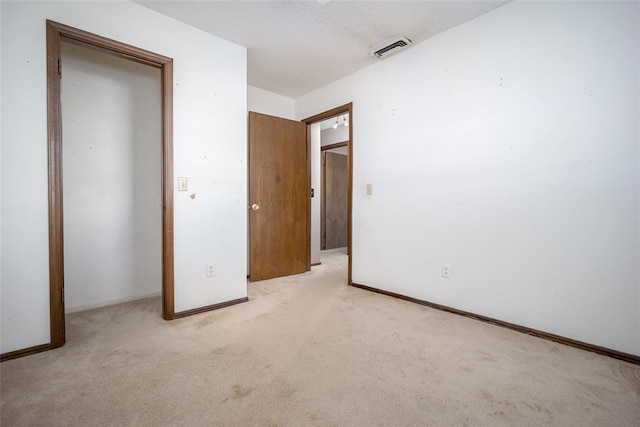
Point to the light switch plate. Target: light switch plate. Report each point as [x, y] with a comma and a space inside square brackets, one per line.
[182, 183]
[369, 189]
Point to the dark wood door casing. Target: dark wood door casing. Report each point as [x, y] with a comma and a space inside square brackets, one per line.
[56, 34]
[343, 109]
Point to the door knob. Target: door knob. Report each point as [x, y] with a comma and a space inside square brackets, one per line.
[255, 206]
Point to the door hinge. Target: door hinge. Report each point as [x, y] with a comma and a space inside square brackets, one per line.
[312, 192]
[62, 296]
[59, 66]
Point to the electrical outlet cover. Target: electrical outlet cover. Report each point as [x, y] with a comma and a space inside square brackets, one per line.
[446, 271]
[211, 270]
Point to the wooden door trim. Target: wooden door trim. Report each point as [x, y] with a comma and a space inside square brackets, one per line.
[337, 111]
[323, 200]
[308, 148]
[56, 34]
[343, 109]
[336, 145]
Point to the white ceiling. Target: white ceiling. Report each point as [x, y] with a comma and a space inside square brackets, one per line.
[295, 47]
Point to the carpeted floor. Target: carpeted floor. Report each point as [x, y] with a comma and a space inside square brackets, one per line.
[309, 350]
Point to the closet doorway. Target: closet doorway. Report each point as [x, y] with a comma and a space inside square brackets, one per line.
[162, 170]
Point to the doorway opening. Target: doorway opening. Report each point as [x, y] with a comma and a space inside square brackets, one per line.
[56, 35]
[334, 154]
[331, 161]
[112, 187]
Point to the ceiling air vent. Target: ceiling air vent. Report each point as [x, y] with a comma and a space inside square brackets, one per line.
[395, 45]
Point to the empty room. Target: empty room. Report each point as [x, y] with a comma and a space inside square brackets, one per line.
[323, 212]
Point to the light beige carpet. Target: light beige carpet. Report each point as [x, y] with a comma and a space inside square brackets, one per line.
[309, 350]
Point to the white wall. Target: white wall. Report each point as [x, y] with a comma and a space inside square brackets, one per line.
[332, 136]
[316, 184]
[112, 156]
[515, 159]
[210, 110]
[265, 102]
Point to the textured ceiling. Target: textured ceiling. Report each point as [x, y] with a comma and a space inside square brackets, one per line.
[295, 47]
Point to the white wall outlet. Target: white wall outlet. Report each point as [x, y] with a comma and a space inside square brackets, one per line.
[446, 271]
[211, 270]
[182, 183]
[369, 189]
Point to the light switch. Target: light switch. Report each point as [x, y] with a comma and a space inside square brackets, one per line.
[369, 189]
[182, 183]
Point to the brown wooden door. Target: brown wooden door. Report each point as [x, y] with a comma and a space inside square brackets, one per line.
[335, 200]
[279, 197]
